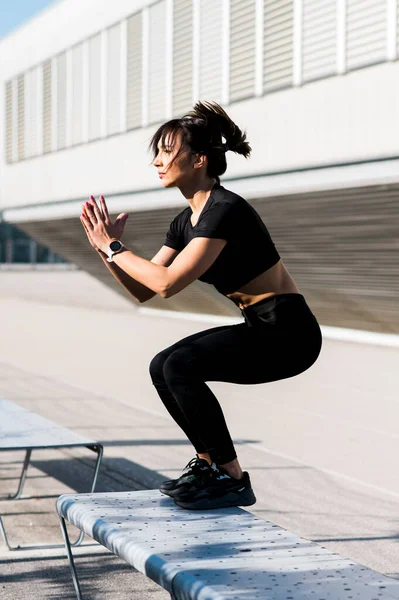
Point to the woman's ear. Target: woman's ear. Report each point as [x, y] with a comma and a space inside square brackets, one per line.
[199, 161]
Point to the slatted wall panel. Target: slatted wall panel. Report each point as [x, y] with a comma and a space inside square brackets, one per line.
[47, 106]
[31, 110]
[61, 101]
[21, 116]
[144, 235]
[319, 39]
[95, 104]
[278, 44]
[397, 27]
[182, 56]
[30, 94]
[157, 63]
[77, 94]
[114, 80]
[242, 49]
[134, 105]
[340, 246]
[210, 59]
[366, 32]
[9, 121]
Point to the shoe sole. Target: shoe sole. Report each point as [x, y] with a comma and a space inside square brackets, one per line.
[166, 492]
[175, 492]
[230, 499]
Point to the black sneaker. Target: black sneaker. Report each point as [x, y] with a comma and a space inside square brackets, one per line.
[218, 490]
[193, 471]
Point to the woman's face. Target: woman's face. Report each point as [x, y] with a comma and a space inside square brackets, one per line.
[179, 171]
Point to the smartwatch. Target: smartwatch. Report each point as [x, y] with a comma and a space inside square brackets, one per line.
[114, 248]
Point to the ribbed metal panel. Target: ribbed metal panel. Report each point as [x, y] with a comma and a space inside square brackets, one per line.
[9, 121]
[21, 116]
[397, 27]
[30, 113]
[182, 56]
[144, 236]
[366, 32]
[61, 101]
[319, 39]
[340, 246]
[157, 63]
[47, 106]
[278, 44]
[210, 59]
[134, 72]
[77, 94]
[242, 49]
[95, 87]
[114, 80]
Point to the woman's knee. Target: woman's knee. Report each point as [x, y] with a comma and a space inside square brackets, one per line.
[157, 364]
[181, 364]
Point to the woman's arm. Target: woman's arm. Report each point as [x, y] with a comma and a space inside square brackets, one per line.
[194, 260]
[164, 257]
[140, 292]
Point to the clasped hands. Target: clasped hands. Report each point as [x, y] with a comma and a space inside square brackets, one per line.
[98, 226]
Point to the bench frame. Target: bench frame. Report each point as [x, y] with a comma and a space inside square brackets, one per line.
[94, 447]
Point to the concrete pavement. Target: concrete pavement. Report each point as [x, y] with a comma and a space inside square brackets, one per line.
[321, 448]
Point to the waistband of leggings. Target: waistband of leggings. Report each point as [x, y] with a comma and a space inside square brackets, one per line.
[271, 302]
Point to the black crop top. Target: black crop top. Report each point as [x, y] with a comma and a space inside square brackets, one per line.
[249, 250]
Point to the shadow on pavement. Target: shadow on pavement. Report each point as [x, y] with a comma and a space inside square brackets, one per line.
[101, 574]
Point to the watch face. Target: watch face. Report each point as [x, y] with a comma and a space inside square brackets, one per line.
[115, 246]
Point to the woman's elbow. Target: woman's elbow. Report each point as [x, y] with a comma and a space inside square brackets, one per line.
[145, 298]
[168, 292]
[173, 287]
[165, 294]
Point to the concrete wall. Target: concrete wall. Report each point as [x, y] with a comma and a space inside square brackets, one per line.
[343, 118]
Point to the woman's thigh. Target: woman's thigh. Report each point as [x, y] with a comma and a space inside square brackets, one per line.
[157, 363]
[192, 338]
[238, 354]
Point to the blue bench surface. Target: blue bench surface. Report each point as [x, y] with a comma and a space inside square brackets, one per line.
[225, 554]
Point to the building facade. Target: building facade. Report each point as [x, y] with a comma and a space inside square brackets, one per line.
[314, 83]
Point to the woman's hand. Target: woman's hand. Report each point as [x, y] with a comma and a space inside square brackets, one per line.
[98, 226]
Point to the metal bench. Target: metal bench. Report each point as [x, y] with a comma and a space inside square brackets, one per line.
[22, 429]
[225, 554]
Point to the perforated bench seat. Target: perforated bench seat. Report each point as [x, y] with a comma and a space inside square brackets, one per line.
[22, 429]
[225, 554]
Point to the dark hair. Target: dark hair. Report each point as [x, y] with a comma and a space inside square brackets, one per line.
[202, 131]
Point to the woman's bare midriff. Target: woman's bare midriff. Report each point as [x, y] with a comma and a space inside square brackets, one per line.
[275, 280]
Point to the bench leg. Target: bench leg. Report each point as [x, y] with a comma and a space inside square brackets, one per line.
[70, 559]
[21, 479]
[99, 451]
[23, 475]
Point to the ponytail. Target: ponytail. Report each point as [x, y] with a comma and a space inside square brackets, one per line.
[218, 121]
[202, 131]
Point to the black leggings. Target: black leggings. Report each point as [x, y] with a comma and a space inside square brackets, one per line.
[280, 338]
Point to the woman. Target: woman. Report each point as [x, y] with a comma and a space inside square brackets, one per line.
[220, 239]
